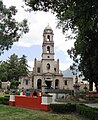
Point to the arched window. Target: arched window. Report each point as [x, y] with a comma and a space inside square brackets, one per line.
[48, 66]
[56, 84]
[48, 49]
[39, 84]
[38, 69]
[26, 81]
[48, 37]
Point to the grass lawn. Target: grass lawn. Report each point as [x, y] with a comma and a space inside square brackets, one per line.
[13, 113]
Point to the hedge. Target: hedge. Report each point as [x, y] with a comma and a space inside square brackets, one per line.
[88, 112]
[63, 108]
[4, 100]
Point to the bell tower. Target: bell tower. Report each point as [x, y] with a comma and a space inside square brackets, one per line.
[46, 71]
[48, 44]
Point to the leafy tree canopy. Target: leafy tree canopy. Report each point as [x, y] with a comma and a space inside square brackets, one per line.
[10, 29]
[13, 68]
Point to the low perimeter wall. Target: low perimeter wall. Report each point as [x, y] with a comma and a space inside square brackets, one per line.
[34, 103]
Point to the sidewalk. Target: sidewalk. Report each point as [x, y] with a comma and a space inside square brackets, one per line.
[94, 105]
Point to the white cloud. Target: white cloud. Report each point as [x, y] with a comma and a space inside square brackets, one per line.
[31, 65]
[37, 23]
[64, 66]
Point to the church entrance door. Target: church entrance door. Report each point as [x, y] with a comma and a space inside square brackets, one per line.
[48, 83]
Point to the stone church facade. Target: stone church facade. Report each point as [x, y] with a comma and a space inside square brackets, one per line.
[46, 71]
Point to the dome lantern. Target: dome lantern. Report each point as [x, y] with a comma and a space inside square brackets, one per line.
[48, 30]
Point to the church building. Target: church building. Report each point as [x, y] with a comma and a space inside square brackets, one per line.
[46, 71]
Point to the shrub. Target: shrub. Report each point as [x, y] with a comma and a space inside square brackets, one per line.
[17, 93]
[70, 92]
[86, 111]
[63, 108]
[4, 100]
[6, 92]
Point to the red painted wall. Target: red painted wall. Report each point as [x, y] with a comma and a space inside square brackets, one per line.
[45, 107]
[31, 102]
[12, 103]
[28, 102]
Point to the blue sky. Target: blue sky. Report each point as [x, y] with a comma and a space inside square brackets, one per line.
[31, 43]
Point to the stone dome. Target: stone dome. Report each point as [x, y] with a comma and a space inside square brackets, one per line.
[48, 29]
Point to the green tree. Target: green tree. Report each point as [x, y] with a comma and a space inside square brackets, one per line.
[82, 17]
[10, 29]
[13, 64]
[3, 71]
[23, 66]
[12, 69]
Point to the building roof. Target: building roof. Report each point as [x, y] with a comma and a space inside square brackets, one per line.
[48, 27]
[67, 73]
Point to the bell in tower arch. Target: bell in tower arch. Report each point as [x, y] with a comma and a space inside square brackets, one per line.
[48, 49]
[48, 37]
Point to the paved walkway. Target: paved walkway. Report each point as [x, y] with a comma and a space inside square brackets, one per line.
[95, 105]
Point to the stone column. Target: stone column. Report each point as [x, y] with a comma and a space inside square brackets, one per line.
[43, 88]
